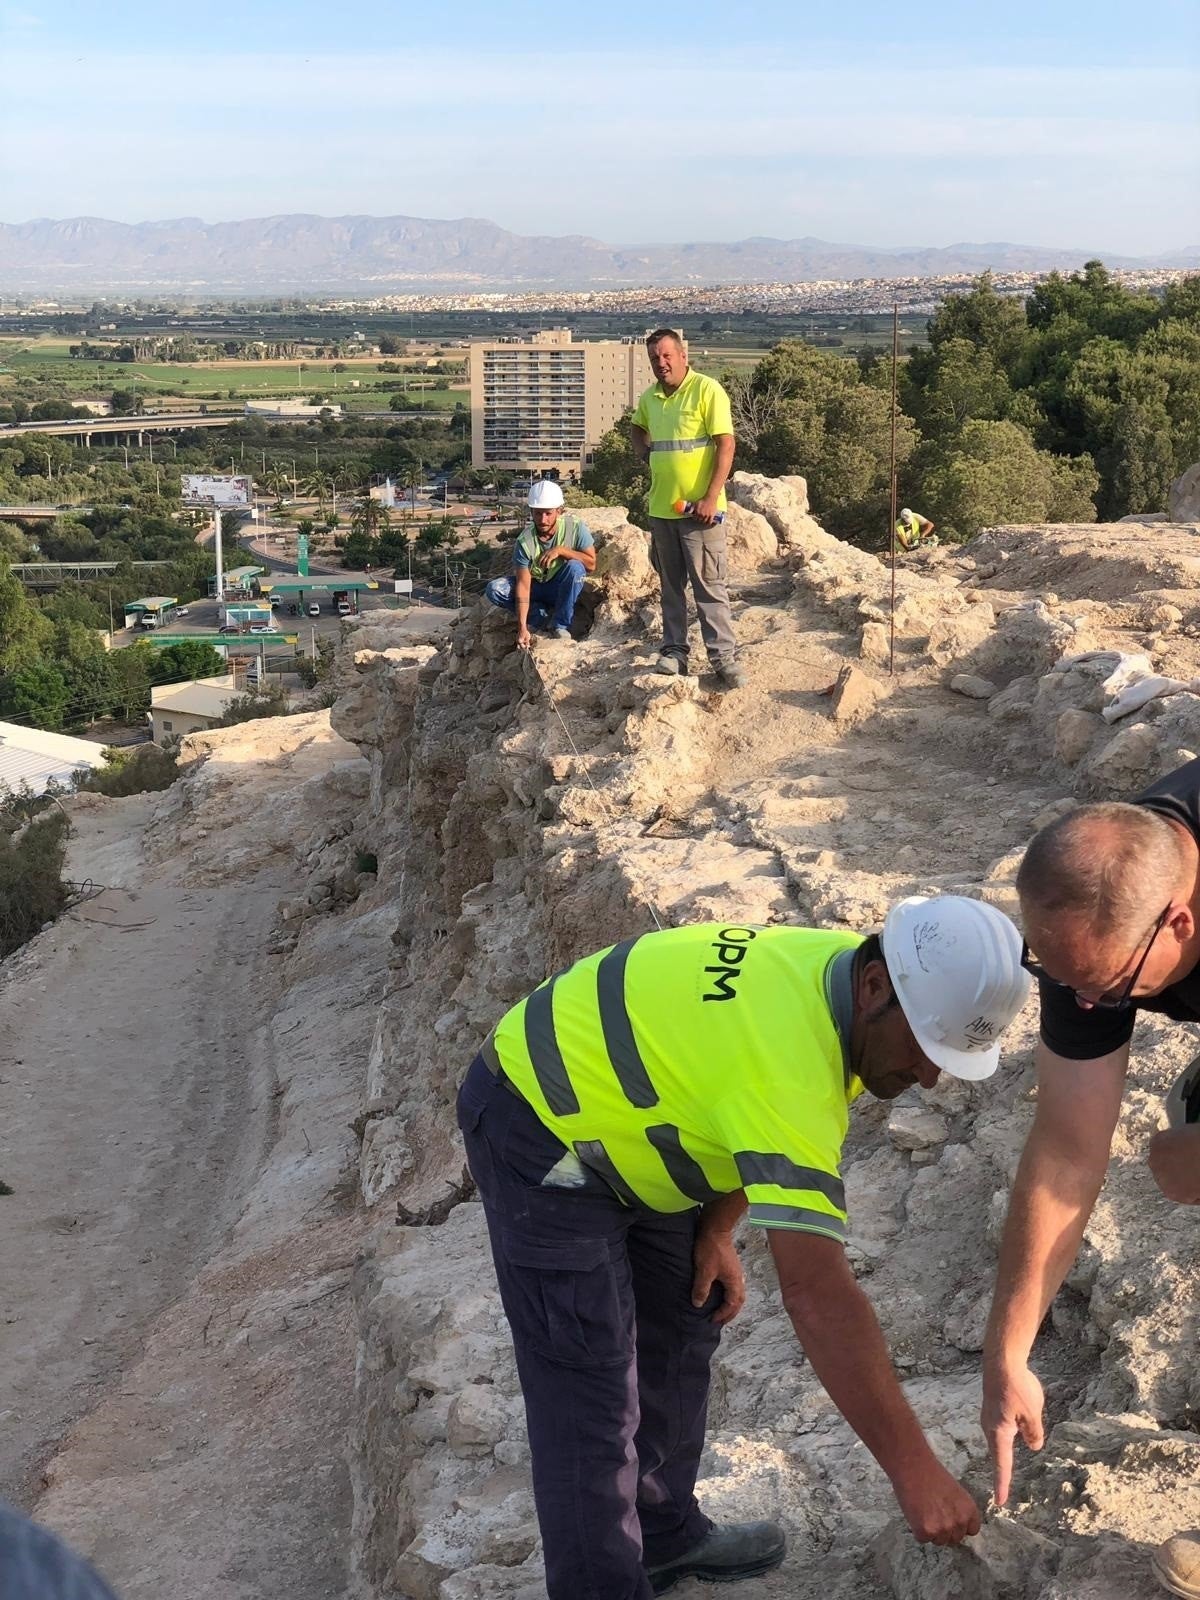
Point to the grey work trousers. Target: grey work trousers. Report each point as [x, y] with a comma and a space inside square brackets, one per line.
[681, 549]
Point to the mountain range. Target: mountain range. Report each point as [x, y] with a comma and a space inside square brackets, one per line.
[380, 255]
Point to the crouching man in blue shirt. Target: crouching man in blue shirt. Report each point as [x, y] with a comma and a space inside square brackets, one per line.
[553, 555]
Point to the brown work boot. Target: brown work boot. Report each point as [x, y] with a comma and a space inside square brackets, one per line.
[1176, 1564]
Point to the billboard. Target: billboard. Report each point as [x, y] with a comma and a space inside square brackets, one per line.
[200, 490]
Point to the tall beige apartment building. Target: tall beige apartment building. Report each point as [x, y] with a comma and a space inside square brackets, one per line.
[542, 404]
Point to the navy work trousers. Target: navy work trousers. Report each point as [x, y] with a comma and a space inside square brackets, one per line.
[613, 1357]
[551, 603]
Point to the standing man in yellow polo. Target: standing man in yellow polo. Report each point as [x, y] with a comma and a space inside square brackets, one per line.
[684, 426]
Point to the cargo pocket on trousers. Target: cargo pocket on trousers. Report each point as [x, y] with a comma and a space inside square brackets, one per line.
[567, 1304]
[712, 557]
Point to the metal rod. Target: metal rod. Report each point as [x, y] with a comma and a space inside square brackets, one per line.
[892, 524]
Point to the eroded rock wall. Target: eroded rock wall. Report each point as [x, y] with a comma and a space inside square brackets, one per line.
[524, 810]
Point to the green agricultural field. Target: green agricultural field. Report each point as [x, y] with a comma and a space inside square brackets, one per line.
[46, 361]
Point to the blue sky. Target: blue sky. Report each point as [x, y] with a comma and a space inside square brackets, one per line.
[1061, 123]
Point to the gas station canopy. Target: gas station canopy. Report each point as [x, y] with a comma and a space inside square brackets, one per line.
[328, 583]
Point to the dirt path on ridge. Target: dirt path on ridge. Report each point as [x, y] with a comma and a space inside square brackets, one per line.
[129, 1117]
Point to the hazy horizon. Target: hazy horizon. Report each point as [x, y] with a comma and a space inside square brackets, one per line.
[1054, 126]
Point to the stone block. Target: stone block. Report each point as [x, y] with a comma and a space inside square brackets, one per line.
[1127, 761]
[952, 638]
[477, 1420]
[1183, 497]
[855, 696]
[749, 538]
[966, 683]
[1004, 1561]
[1074, 734]
[916, 1128]
[875, 643]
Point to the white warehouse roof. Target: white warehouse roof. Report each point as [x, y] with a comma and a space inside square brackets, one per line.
[197, 697]
[34, 757]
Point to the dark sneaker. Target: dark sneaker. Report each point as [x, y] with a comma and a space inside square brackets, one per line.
[724, 1555]
[730, 674]
[1176, 1565]
[670, 666]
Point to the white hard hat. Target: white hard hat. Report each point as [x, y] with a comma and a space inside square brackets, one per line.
[545, 495]
[955, 965]
[906, 515]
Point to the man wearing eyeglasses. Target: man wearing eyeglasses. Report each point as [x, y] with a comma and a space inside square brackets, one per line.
[1110, 896]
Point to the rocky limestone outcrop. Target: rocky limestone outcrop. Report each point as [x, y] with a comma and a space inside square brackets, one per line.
[526, 809]
[1183, 497]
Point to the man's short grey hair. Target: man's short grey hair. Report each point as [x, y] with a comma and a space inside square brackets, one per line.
[1113, 865]
[660, 334]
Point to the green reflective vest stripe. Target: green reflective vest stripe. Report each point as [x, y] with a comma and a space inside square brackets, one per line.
[565, 531]
[701, 443]
[686, 1064]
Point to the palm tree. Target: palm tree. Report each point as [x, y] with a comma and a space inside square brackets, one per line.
[367, 513]
[411, 478]
[278, 482]
[317, 485]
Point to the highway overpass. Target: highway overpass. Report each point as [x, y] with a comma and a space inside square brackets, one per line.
[40, 513]
[49, 574]
[86, 428]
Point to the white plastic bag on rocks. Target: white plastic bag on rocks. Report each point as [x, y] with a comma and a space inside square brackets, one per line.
[1086, 681]
[1139, 693]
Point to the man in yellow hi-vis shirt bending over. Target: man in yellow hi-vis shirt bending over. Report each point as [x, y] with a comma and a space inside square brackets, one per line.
[619, 1122]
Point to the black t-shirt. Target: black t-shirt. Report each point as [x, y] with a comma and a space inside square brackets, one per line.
[1081, 1035]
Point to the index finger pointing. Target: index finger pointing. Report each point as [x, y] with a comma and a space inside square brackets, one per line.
[1001, 1442]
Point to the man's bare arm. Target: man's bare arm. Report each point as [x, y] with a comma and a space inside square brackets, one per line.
[841, 1336]
[1061, 1173]
[726, 445]
[706, 508]
[563, 552]
[641, 442]
[522, 584]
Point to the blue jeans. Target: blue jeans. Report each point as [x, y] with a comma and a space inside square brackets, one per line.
[612, 1355]
[552, 601]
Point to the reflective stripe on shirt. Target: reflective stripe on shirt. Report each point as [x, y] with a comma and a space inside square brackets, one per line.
[693, 1062]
